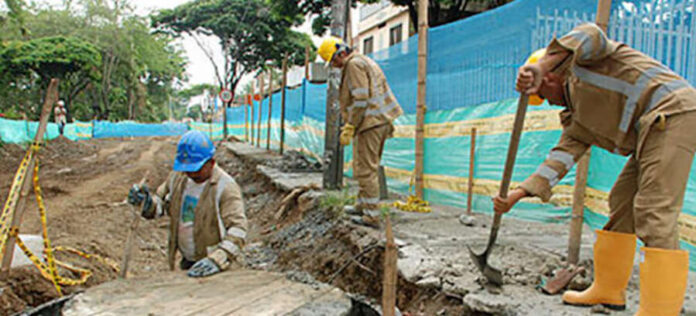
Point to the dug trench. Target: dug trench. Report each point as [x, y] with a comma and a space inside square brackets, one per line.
[295, 229]
[313, 241]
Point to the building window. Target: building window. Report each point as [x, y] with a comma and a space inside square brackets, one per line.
[368, 45]
[395, 34]
[368, 10]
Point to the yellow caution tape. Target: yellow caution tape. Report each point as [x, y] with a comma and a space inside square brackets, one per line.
[413, 203]
[13, 196]
[49, 269]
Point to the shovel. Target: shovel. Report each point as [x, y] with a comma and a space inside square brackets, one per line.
[492, 274]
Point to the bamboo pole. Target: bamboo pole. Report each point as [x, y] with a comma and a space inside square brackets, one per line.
[421, 107]
[282, 103]
[258, 124]
[578, 213]
[470, 190]
[251, 119]
[390, 272]
[270, 109]
[246, 117]
[26, 185]
[306, 63]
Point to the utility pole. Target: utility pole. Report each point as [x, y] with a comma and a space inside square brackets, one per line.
[333, 151]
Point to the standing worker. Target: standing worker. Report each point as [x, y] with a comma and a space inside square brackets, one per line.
[207, 220]
[368, 108]
[59, 115]
[619, 99]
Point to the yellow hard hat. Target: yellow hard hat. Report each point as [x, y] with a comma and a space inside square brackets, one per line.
[535, 99]
[328, 48]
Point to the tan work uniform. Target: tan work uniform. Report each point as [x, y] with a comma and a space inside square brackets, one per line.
[59, 114]
[369, 105]
[219, 224]
[628, 103]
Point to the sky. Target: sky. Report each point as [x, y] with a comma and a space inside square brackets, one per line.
[200, 69]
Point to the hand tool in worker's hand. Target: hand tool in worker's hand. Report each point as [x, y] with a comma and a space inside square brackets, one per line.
[481, 260]
[131, 233]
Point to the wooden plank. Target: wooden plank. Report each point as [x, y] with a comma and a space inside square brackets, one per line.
[49, 100]
[238, 292]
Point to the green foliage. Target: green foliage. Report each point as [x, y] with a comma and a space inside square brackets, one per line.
[335, 201]
[251, 34]
[52, 57]
[110, 64]
[439, 11]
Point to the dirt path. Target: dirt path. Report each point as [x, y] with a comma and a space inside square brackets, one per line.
[84, 185]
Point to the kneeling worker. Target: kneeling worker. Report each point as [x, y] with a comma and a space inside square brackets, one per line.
[619, 99]
[368, 108]
[207, 220]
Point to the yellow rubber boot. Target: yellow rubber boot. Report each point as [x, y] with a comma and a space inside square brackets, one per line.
[613, 264]
[663, 275]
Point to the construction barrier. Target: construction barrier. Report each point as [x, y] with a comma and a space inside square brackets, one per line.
[470, 84]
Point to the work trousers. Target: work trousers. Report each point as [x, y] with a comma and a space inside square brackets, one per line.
[367, 154]
[647, 197]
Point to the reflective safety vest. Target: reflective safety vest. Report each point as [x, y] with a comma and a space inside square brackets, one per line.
[614, 94]
[365, 97]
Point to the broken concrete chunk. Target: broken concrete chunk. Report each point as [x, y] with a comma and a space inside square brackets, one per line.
[460, 286]
[431, 282]
[483, 302]
[467, 220]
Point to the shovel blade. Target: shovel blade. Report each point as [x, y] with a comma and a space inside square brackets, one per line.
[492, 274]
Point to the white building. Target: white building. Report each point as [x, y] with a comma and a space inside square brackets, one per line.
[381, 25]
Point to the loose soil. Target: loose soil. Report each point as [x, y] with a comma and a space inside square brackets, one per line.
[86, 183]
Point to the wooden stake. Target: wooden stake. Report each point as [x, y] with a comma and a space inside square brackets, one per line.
[306, 63]
[577, 218]
[251, 119]
[131, 234]
[246, 118]
[258, 124]
[421, 107]
[282, 103]
[578, 213]
[390, 272]
[270, 108]
[50, 99]
[472, 155]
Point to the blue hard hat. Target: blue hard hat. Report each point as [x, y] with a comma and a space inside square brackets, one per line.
[193, 151]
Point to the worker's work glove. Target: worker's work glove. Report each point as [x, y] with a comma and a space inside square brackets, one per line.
[137, 194]
[203, 268]
[141, 194]
[347, 132]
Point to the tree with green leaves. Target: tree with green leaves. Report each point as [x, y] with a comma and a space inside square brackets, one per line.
[136, 78]
[439, 11]
[252, 35]
[72, 60]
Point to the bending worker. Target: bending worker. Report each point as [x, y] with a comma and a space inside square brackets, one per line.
[207, 220]
[368, 108]
[619, 99]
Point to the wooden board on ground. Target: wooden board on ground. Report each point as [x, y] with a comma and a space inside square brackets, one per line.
[239, 292]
